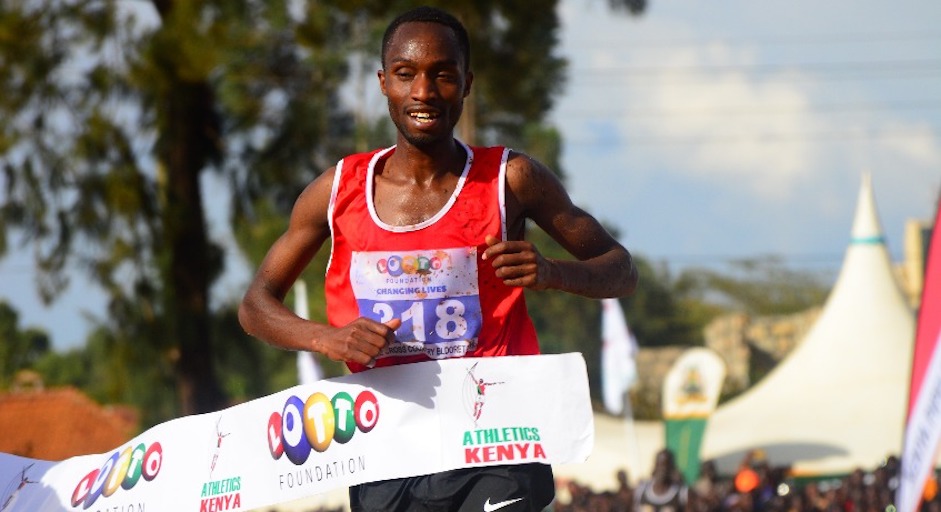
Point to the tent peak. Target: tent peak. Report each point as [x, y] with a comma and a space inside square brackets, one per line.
[866, 227]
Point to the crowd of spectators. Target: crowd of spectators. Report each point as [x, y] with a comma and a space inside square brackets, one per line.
[756, 486]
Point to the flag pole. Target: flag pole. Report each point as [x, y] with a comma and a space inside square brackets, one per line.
[307, 369]
[619, 373]
[633, 446]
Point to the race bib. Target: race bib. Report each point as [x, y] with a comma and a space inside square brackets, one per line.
[433, 292]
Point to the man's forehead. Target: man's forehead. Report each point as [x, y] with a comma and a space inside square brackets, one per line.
[420, 35]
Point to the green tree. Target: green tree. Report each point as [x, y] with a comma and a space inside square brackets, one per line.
[662, 311]
[20, 349]
[116, 111]
[667, 310]
[758, 286]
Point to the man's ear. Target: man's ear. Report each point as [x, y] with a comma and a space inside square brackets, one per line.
[382, 81]
[468, 80]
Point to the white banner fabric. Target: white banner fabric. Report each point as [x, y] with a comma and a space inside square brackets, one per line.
[618, 354]
[385, 423]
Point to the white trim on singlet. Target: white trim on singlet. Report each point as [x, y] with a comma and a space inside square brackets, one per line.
[335, 187]
[675, 491]
[501, 181]
[370, 174]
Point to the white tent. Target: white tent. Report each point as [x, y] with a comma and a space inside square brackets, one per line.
[837, 402]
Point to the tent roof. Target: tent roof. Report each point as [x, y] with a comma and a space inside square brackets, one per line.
[837, 402]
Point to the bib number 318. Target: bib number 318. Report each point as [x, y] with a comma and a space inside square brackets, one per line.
[429, 320]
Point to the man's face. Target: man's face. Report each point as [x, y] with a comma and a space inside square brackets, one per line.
[663, 467]
[424, 80]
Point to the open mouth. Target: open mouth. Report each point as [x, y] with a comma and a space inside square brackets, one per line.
[423, 117]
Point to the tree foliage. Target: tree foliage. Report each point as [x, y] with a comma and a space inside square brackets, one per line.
[662, 311]
[115, 112]
[114, 117]
[758, 286]
[20, 349]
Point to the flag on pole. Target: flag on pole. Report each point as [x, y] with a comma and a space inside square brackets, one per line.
[923, 430]
[690, 394]
[619, 347]
[308, 371]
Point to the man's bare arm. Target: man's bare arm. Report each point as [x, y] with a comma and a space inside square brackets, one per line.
[262, 312]
[604, 268]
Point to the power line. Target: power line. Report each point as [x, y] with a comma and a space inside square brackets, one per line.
[742, 110]
[788, 260]
[763, 39]
[751, 138]
[808, 72]
[888, 65]
[781, 79]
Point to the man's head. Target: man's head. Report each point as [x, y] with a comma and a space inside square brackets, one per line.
[424, 76]
[663, 466]
[429, 15]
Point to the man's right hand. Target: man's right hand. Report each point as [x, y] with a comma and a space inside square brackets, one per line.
[359, 341]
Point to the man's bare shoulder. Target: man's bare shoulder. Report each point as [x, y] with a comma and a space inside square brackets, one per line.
[323, 182]
[529, 179]
[521, 163]
[314, 200]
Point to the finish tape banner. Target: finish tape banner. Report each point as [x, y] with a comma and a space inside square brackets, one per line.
[385, 423]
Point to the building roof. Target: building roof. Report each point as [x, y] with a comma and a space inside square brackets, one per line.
[837, 402]
[56, 424]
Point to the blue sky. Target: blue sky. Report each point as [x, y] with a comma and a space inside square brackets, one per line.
[708, 131]
[714, 130]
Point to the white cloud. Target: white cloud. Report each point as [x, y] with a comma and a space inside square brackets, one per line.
[914, 142]
[721, 109]
[790, 131]
[728, 138]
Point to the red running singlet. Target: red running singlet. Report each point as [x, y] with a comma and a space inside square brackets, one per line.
[430, 275]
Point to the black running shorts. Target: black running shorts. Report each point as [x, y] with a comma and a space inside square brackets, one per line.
[521, 488]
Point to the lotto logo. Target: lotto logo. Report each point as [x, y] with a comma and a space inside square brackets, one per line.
[124, 469]
[397, 265]
[315, 424]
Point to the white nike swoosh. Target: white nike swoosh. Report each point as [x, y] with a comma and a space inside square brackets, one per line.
[490, 507]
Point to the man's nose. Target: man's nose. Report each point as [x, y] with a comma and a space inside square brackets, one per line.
[423, 87]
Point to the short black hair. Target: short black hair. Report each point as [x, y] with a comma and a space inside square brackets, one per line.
[429, 15]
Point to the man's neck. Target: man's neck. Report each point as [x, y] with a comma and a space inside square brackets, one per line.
[448, 156]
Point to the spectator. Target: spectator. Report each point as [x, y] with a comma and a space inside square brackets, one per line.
[665, 491]
[708, 488]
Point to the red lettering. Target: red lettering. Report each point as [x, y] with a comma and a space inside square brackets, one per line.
[153, 461]
[538, 452]
[497, 453]
[83, 487]
[472, 455]
[366, 411]
[218, 503]
[274, 435]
